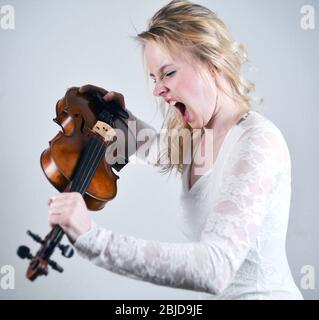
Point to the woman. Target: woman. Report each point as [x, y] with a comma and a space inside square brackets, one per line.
[236, 204]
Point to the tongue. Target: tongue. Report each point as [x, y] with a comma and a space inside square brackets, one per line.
[182, 108]
[186, 117]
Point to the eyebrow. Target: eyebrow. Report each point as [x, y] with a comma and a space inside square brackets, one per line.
[161, 69]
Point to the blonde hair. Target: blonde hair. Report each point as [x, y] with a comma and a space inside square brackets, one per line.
[182, 26]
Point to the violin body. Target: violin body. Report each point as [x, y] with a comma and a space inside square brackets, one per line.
[76, 116]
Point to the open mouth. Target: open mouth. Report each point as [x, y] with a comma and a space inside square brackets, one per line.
[181, 107]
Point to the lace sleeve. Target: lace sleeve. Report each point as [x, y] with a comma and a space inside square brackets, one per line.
[249, 178]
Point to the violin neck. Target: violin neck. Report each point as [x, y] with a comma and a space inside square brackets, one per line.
[85, 170]
[90, 159]
[51, 241]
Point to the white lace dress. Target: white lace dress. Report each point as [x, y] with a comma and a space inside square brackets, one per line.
[235, 217]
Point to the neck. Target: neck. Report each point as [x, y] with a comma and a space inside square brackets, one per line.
[226, 115]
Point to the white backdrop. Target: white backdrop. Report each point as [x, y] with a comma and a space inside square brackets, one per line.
[59, 44]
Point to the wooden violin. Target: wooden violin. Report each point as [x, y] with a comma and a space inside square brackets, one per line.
[76, 162]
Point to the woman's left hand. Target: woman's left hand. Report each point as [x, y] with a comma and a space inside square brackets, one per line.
[69, 211]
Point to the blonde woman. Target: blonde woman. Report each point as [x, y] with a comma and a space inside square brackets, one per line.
[235, 204]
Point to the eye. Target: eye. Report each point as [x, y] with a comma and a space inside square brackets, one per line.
[169, 74]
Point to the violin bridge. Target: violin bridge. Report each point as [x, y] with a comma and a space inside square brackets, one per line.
[104, 130]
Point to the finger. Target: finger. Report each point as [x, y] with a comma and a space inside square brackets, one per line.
[109, 96]
[65, 196]
[61, 198]
[59, 218]
[57, 223]
[54, 201]
[90, 88]
[59, 209]
[54, 219]
[63, 208]
[115, 96]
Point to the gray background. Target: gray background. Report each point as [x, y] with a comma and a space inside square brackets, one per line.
[59, 44]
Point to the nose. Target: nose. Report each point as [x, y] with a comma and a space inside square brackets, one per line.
[160, 89]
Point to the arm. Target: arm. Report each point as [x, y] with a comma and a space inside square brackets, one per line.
[210, 264]
[141, 137]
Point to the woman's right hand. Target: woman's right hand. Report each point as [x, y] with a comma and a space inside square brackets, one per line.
[108, 95]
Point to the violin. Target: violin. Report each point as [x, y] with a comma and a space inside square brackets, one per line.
[76, 162]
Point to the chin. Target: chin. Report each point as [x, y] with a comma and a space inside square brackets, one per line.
[195, 125]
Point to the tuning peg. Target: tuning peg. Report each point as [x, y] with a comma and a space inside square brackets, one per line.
[35, 237]
[55, 266]
[24, 253]
[66, 250]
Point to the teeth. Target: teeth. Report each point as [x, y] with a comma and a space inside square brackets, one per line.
[172, 103]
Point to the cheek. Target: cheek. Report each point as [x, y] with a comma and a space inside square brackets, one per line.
[202, 98]
[188, 83]
[185, 86]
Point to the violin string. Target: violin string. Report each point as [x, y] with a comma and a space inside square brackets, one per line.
[86, 170]
[83, 159]
[83, 166]
[94, 165]
[57, 232]
[82, 171]
[92, 168]
[91, 165]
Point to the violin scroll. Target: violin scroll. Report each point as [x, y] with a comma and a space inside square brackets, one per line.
[40, 262]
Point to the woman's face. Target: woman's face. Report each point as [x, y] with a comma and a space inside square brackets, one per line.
[181, 85]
